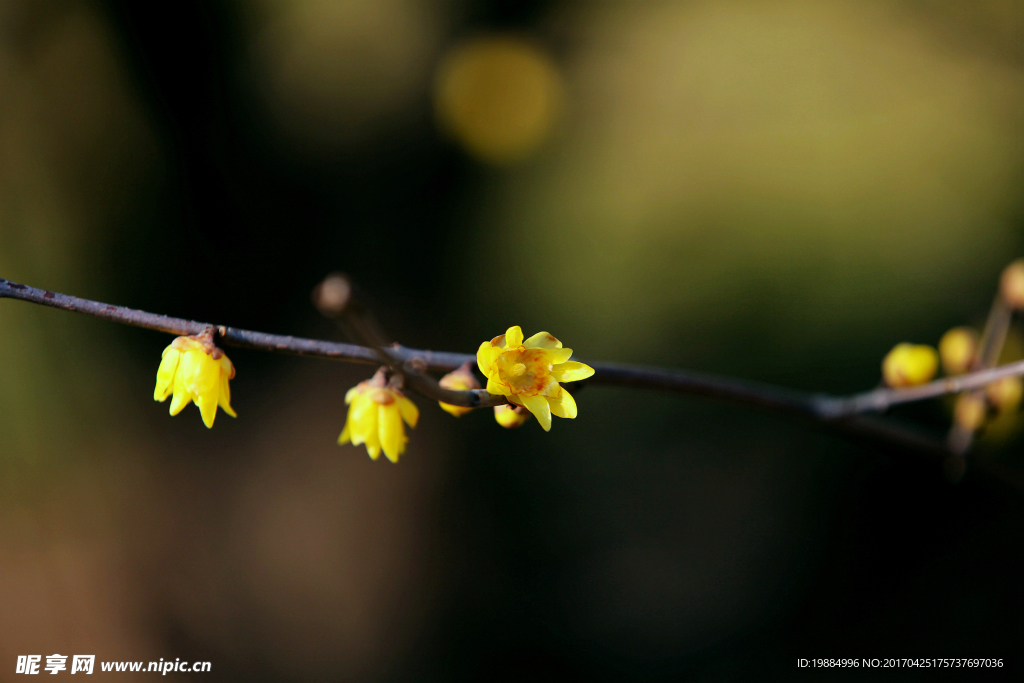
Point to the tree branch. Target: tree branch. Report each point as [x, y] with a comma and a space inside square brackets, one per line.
[840, 413]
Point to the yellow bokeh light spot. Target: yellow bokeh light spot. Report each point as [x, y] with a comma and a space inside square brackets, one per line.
[498, 96]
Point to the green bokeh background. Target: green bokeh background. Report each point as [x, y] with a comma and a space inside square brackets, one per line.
[779, 191]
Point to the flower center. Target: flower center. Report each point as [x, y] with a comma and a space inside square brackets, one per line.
[525, 371]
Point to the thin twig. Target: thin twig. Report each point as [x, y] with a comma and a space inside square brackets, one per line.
[336, 298]
[993, 337]
[880, 400]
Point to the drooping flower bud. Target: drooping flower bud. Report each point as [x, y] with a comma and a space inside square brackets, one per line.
[375, 414]
[958, 350]
[510, 417]
[1005, 394]
[194, 369]
[908, 365]
[970, 411]
[1011, 285]
[460, 379]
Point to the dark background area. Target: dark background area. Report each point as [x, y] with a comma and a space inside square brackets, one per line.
[777, 191]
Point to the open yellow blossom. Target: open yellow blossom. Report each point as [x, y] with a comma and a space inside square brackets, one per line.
[195, 370]
[908, 365]
[460, 379]
[528, 371]
[375, 417]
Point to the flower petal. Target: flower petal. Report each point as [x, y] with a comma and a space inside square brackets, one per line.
[351, 394]
[187, 369]
[550, 388]
[373, 445]
[362, 416]
[410, 413]
[205, 377]
[180, 400]
[165, 374]
[225, 395]
[559, 356]
[456, 411]
[564, 405]
[204, 384]
[391, 432]
[485, 357]
[346, 435]
[514, 337]
[541, 409]
[542, 340]
[571, 371]
[207, 408]
[497, 388]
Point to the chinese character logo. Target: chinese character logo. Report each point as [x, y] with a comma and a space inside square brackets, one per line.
[82, 663]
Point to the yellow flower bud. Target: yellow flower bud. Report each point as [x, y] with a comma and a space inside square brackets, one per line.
[511, 417]
[375, 416]
[1005, 394]
[908, 365]
[958, 348]
[461, 379]
[193, 369]
[970, 411]
[1012, 285]
[528, 373]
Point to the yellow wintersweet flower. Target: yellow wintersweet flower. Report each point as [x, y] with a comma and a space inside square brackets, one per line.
[511, 417]
[1005, 394]
[908, 365]
[461, 379]
[193, 369]
[970, 411]
[527, 372]
[1012, 285]
[375, 417]
[958, 349]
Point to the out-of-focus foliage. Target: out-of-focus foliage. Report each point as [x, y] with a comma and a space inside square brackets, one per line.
[724, 157]
[499, 97]
[336, 72]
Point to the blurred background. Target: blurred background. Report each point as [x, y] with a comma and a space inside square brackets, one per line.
[779, 191]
